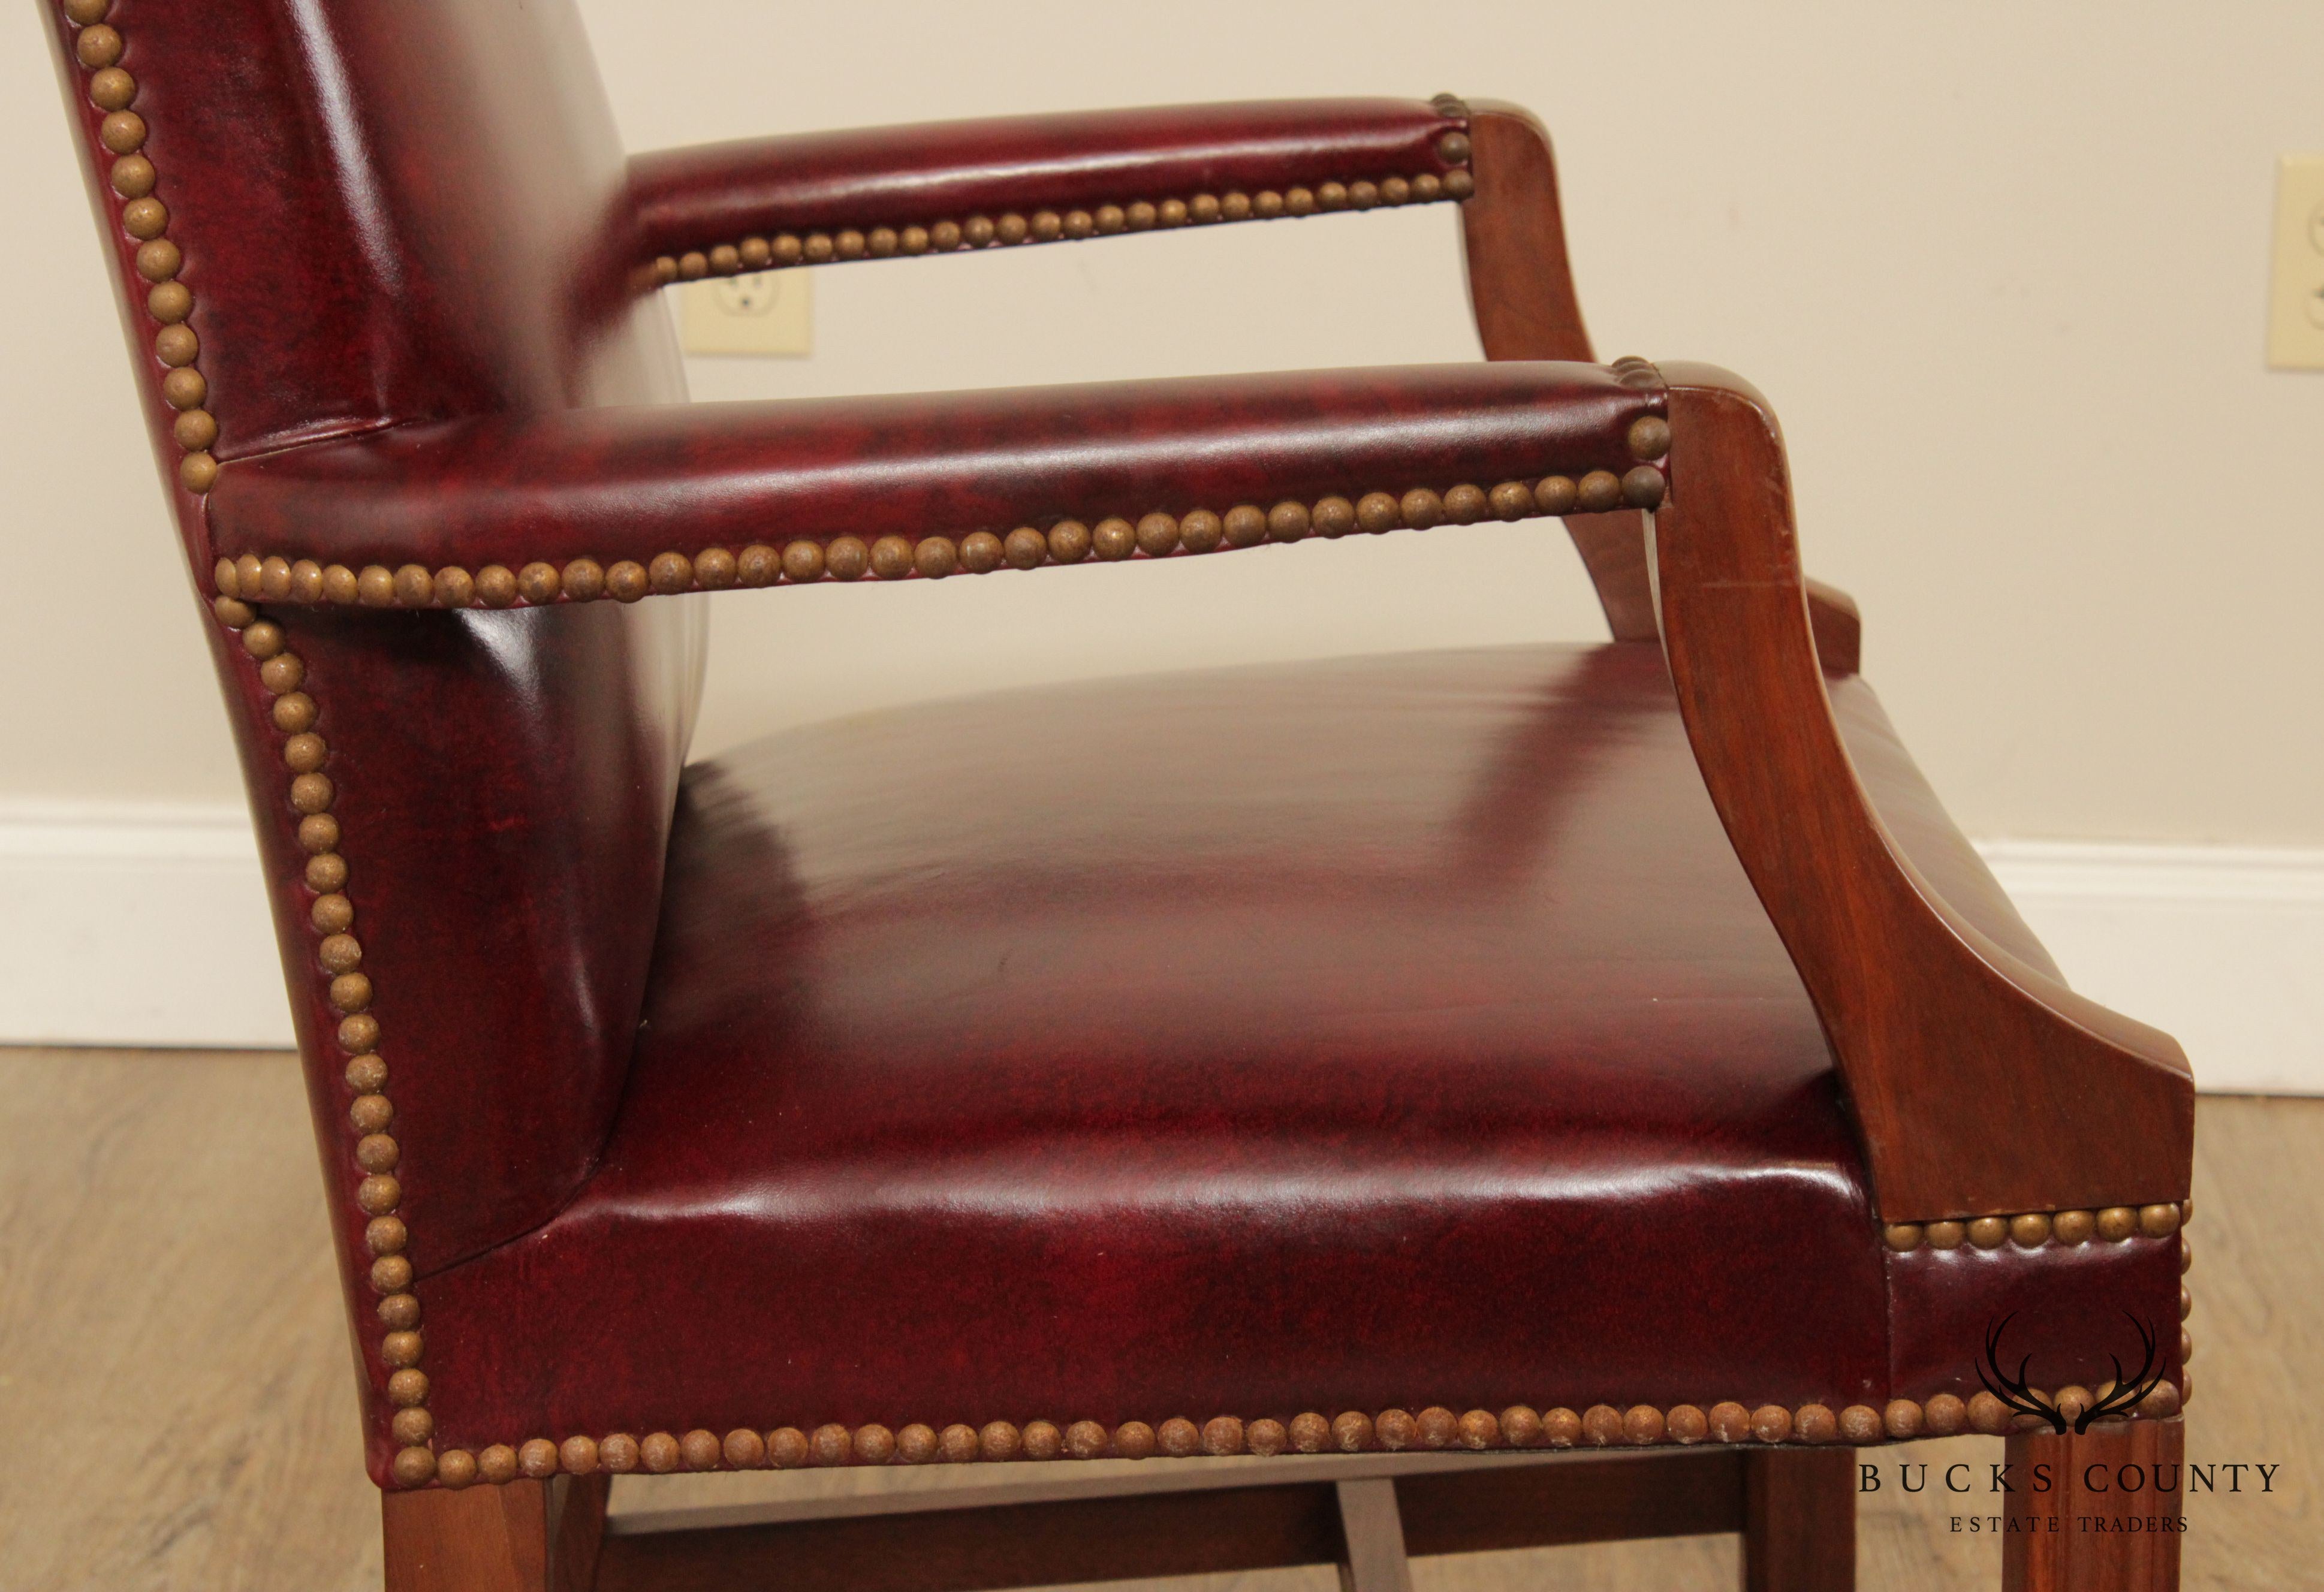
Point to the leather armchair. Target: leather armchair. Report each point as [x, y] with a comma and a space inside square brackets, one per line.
[1521, 1050]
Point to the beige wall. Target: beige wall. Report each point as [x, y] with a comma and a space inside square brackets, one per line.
[2001, 268]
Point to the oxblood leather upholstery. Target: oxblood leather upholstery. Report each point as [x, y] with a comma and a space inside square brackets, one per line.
[1339, 1036]
[631, 482]
[1350, 1034]
[391, 215]
[867, 177]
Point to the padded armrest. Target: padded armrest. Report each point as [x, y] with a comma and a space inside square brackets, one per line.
[626, 501]
[876, 191]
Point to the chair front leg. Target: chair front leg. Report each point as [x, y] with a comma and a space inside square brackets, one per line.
[2090, 1511]
[1799, 1519]
[526, 1536]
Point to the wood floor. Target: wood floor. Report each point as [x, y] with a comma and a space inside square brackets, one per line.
[176, 1411]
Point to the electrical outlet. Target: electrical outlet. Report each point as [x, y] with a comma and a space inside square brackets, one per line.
[765, 312]
[2295, 310]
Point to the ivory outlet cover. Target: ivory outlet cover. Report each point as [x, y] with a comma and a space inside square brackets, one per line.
[2295, 310]
[768, 313]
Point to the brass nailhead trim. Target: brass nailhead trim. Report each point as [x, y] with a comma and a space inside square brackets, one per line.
[176, 349]
[310, 789]
[339, 957]
[1519, 1426]
[97, 47]
[1048, 227]
[282, 674]
[804, 560]
[2031, 1229]
[350, 993]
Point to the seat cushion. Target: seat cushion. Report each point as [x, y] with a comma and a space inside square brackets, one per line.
[1388, 1032]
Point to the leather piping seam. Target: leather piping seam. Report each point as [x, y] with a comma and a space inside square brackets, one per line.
[778, 250]
[281, 674]
[804, 560]
[1436, 1428]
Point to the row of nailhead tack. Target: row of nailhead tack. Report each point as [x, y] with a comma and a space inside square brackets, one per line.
[1044, 226]
[112, 89]
[282, 674]
[1517, 1426]
[379, 1194]
[369, 1113]
[2033, 1229]
[253, 579]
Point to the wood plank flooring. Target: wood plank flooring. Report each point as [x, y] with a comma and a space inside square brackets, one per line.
[176, 1407]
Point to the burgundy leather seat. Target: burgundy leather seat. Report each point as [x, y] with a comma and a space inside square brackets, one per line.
[1057, 1054]
[1616, 1044]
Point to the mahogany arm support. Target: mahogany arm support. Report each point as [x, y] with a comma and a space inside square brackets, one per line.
[1019, 178]
[1980, 1085]
[619, 502]
[1521, 291]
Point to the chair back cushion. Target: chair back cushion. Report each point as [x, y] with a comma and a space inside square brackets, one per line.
[383, 214]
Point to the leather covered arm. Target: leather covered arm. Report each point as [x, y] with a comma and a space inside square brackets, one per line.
[871, 192]
[623, 502]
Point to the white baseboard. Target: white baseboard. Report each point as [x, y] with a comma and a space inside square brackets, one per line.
[135, 924]
[2222, 947]
[147, 925]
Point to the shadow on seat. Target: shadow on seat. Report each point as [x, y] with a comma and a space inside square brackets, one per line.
[1383, 1032]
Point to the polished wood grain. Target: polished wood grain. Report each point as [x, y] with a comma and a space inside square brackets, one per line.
[1051, 1532]
[1521, 291]
[484, 1540]
[1522, 294]
[1131, 1536]
[1800, 1521]
[577, 1530]
[529, 1536]
[1679, 1494]
[2081, 1533]
[171, 1375]
[1979, 1083]
[1513, 239]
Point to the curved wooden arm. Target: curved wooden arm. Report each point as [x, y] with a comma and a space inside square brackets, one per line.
[1019, 178]
[1981, 1085]
[1513, 239]
[627, 502]
[1521, 290]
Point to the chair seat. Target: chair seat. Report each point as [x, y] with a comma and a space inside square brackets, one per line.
[1377, 1033]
